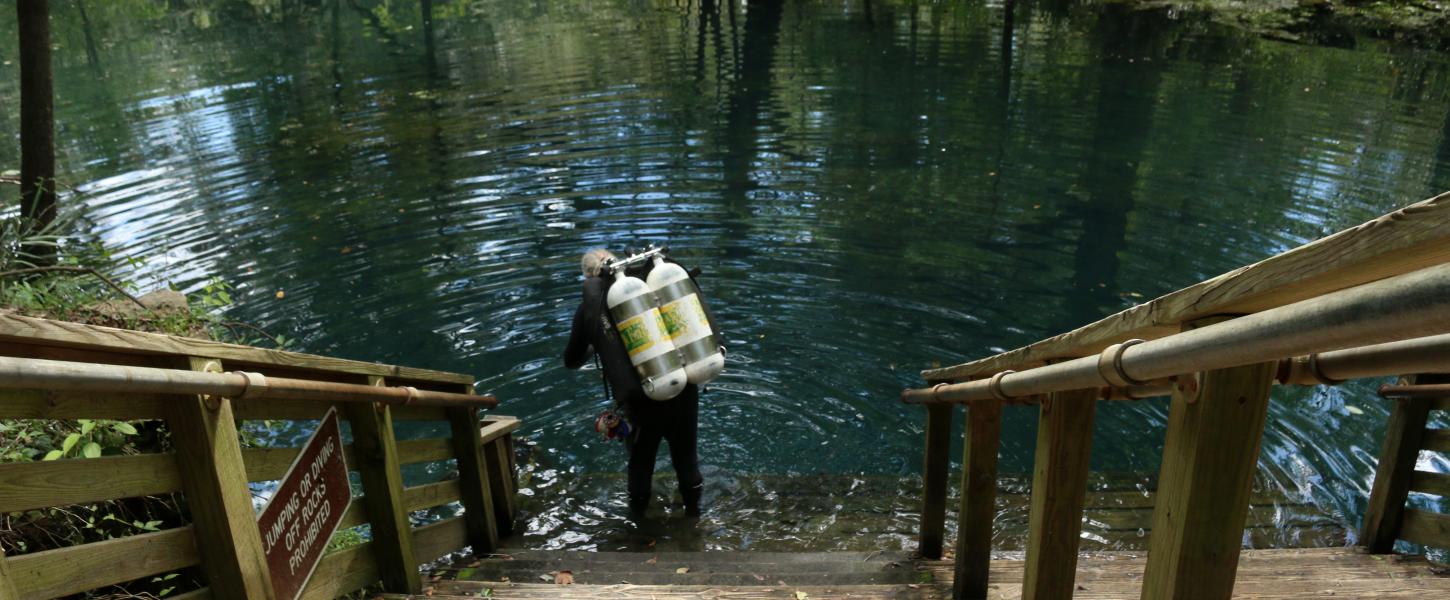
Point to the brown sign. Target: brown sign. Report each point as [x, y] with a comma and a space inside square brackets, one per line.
[299, 520]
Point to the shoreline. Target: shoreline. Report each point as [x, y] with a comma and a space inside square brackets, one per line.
[1418, 24]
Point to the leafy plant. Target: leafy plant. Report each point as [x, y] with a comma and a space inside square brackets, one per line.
[92, 438]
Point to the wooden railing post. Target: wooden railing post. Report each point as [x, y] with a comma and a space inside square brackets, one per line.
[978, 503]
[376, 450]
[1209, 457]
[1404, 435]
[498, 460]
[934, 480]
[214, 480]
[7, 585]
[478, 511]
[1059, 486]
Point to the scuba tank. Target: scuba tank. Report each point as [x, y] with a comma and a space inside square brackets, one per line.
[642, 329]
[686, 323]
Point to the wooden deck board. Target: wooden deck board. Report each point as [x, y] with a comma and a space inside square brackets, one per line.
[1406, 240]
[1262, 575]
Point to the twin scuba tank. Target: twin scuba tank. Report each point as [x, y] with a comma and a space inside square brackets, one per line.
[663, 325]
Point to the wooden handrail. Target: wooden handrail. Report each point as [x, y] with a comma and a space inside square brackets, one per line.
[62, 334]
[1389, 310]
[37, 373]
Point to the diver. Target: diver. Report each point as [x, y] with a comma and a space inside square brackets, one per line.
[649, 421]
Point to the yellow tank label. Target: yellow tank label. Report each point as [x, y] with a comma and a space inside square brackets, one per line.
[685, 318]
[635, 332]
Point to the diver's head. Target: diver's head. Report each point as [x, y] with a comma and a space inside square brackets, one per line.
[594, 260]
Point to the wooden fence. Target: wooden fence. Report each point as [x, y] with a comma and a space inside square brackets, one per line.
[1216, 420]
[210, 468]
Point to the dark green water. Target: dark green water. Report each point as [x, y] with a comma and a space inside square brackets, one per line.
[872, 188]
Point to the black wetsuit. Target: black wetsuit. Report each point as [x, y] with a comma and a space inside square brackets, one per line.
[674, 421]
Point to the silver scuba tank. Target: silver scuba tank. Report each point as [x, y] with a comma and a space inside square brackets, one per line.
[685, 321]
[642, 329]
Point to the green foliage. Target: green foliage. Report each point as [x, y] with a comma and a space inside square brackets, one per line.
[346, 538]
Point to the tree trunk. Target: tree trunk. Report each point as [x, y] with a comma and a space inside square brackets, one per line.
[37, 123]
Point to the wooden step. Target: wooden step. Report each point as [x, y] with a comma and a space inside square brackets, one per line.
[1262, 575]
[540, 591]
[699, 568]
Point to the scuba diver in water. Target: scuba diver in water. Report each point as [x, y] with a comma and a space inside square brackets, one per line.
[652, 358]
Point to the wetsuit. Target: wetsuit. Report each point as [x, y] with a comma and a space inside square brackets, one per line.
[675, 421]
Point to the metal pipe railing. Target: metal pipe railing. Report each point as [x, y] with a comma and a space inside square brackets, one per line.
[55, 375]
[1389, 310]
[1426, 390]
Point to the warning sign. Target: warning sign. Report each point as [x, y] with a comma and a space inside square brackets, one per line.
[299, 520]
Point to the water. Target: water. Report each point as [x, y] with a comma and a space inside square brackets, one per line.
[871, 188]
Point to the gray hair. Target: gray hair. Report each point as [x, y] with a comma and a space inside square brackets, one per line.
[593, 262]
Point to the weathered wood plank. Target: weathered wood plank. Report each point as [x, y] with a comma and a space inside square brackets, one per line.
[432, 494]
[934, 464]
[1059, 486]
[500, 483]
[435, 540]
[295, 410]
[28, 486]
[209, 460]
[201, 594]
[1263, 575]
[39, 404]
[1209, 458]
[66, 571]
[978, 500]
[416, 451]
[357, 514]
[1426, 528]
[7, 583]
[1426, 482]
[623, 591]
[376, 453]
[477, 499]
[1404, 433]
[1436, 440]
[342, 572]
[1408, 239]
[495, 426]
[28, 330]
[269, 464]
[416, 498]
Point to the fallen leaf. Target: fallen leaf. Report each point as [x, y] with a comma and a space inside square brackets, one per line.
[564, 578]
[802, 596]
[682, 570]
